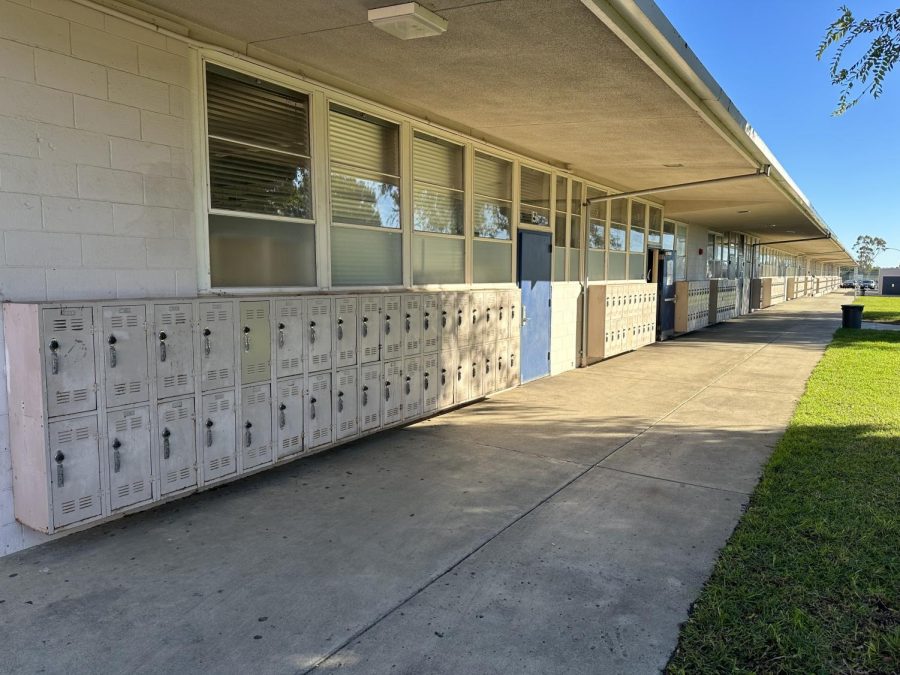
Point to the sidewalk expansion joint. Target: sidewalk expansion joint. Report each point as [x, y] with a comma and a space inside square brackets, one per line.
[676, 481]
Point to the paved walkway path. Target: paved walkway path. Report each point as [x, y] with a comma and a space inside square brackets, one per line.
[562, 527]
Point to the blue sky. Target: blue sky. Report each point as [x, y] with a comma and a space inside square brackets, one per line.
[763, 55]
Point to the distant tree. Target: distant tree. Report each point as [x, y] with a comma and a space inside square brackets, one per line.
[865, 75]
[867, 249]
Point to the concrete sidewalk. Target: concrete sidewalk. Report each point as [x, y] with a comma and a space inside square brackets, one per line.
[562, 527]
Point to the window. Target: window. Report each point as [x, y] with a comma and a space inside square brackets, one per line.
[439, 243]
[668, 237]
[492, 249]
[637, 235]
[575, 232]
[596, 236]
[560, 229]
[681, 253]
[260, 191]
[535, 197]
[618, 228]
[366, 243]
[654, 228]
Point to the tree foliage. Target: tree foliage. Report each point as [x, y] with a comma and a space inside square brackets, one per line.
[867, 249]
[865, 75]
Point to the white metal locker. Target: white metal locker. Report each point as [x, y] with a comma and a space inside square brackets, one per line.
[369, 397]
[475, 372]
[345, 332]
[124, 342]
[412, 324]
[289, 337]
[345, 404]
[69, 361]
[490, 317]
[431, 329]
[391, 398]
[446, 377]
[503, 314]
[462, 375]
[256, 426]
[290, 417]
[477, 323]
[449, 319]
[216, 345]
[174, 338]
[256, 342]
[501, 360]
[75, 468]
[369, 340]
[431, 389]
[318, 410]
[412, 388]
[463, 319]
[391, 328]
[488, 368]
[177, 445]
[217, 434]
[318, 319]
[130, 473]
[512, 376]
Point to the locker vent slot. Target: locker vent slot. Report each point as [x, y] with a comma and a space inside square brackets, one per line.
[348, 425]
[221, 374]
[319, 309]
[288, 311]
[177, 476]
[68, 506]
[175, 381]
[258, 453]
[219, 463]
[69, 435]
[345, 355]
[319, 434]
[292, 442]
[318, 359]
[290, 363]
[370, 419]
[85, 502]
[213, 315]
[173, 414]
[71, 396]
[257, 368]
[173, 318]
[124, 321]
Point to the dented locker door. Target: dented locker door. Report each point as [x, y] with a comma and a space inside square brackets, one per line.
[345, 332]
[256, 342]
[412, 324]
[369, 397]
[289, 337]
[446, 377]
[124, 343]
[174, 340]
[216, 325]
[130, 475]
[318, 410]
[290, 417]
[345, 404]
[489, 317]
[412, 388]
[503, 313]
[318, 333]
[447, 326]
[430, 388]
[256, 426]
[391, 328]
[177, 445]
[74, 469]
[391, 396]
[431, 334]
[217, 436]
[68, 347]
[463, 319]
[462, 376]
[369, 338]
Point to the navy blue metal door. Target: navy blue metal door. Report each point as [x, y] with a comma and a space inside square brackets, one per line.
[534, 258]
[665, 295]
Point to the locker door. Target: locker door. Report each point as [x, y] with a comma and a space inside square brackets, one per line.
[463, 319]
[318, 410]
[430, 383]
[290, 417]
[430, 324]
[391, 328]
[177, 445]
[69, 360]
[75, 467]
[256, 426]
[174, 349]
[318, 318]
[512, 375]
[130, 474]
[345, 332]
[370, 397]
[462, 376]
[289, 337]
[488, 368]
[446, 378]
[475, 372]
[447, 325]
[217, 434]
[515, 321]
[256, 342]
[412, 388]
[392, 399]
[125, 345]
[216, 345]
[345, 404]
[476, 323]
[503, 308]
[501, 359]
[369, 339]
[412, 324]
[489, 317]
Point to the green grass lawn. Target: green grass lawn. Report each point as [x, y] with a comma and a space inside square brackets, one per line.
[810, 580]
[881, 309]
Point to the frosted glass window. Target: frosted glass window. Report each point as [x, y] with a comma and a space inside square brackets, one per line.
[574, 264]
[616, 269]
[493, 197]
[559, 263]
[438, 260]
[681, 253]
[596, 234]
[437, 186]
[365, 257]
[637, 231]
[618, 211]
[654, 227]
[668, 238]
[636, 269]
[247, 252]
[596, 265]
[575, 219]
[535, 197]
[492, 262]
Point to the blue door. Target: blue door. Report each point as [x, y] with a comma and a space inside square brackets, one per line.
[665, 295]
[534, 259]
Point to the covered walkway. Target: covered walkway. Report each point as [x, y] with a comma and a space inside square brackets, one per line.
[561, 527]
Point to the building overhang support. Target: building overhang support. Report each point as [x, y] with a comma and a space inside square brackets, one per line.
[763, 171]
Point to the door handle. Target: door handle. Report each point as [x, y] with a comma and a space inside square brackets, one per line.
[365, 395]
[246, 338]
[60, 472]
[206, 346]
[113, 357]
[162, 346]
[167, 450]
[340, 329]
[408, 323]
[117, 457]
[340, 401]
[282, 417]
[54, 357]
[408, 385]
[281, 328]
[248, 437]
[209, 439]
[426, 321]
[387, 324]
[312, 332]
[365, 326]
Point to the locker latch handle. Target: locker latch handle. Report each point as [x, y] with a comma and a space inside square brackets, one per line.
[474, 316]
[474, 370]
[248, 436]
[500, 316]
[340, 401]
[487, 366]
[282, 418]
[246, 338]
[281, 336]
[443, 376]
[427, 322]
[312, 332]
[209, 426]
[512, 360]
[365, 326]
[340, 329]
[167, 449]
[387, 324]
[408, 323]
[408, 385]
[500, 363]
[60, 472]
[117, 456]
[459, 317]
[387, 391]
[425, 381]
[443, 318]
[112, 351]
[206, 346]
[487, 314]
[162, 346]
[459, 373]
[365, 395]
[54, 357]
[312, 408]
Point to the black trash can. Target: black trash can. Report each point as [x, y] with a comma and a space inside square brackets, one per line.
[852, 316]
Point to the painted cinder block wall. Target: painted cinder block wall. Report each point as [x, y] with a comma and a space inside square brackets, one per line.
[96, 187]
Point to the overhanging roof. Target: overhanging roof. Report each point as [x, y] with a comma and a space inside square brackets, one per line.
[604, 87]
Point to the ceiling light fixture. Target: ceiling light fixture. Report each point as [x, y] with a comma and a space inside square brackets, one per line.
[744, 211]
[407, 21]
[673, 166]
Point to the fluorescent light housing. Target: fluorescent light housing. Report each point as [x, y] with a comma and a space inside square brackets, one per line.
[407, 21]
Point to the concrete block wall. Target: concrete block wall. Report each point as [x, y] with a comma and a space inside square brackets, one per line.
[565, 325]
[96, 186]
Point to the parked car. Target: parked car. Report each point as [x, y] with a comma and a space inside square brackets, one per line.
[868, 284]
[849, 283]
